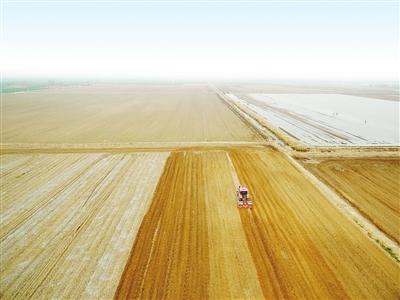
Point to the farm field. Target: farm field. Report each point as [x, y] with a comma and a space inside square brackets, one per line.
[191, 243]
[75, 226]
[328, 119]
[370, 185]
[120, 114]
[69, 221]
[199, 150]
[128, 191]
[300, 245]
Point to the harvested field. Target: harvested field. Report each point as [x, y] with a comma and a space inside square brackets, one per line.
[370, 185]
[120, 114]
[191, 243]
[69, 221]
[302, 246]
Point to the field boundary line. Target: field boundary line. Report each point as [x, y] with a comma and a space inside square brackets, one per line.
[245, 118]
[235, 178]
[269, 131]
[123, 148]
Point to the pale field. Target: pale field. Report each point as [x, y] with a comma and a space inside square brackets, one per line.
[69, 221]
[328, 119]
[120, 114]
[371, 185]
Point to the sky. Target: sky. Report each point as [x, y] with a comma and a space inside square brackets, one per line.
[209, 40]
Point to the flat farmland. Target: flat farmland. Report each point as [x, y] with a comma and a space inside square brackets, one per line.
[302, 246]
[370, 185]
[151, 213]
[194, 242]
[120, 114]
[69, 221]
[191, 243]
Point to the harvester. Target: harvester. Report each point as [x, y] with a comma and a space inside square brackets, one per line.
[243, 198]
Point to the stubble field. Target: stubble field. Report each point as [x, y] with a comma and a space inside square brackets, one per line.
[370, 185]
[69, 221]
[120, 114]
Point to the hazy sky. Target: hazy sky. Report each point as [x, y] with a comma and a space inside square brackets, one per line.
[341, 40]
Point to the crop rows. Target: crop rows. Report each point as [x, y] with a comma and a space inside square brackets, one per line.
[69, 221]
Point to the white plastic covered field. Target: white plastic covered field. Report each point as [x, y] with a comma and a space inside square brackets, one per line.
[329, 119]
